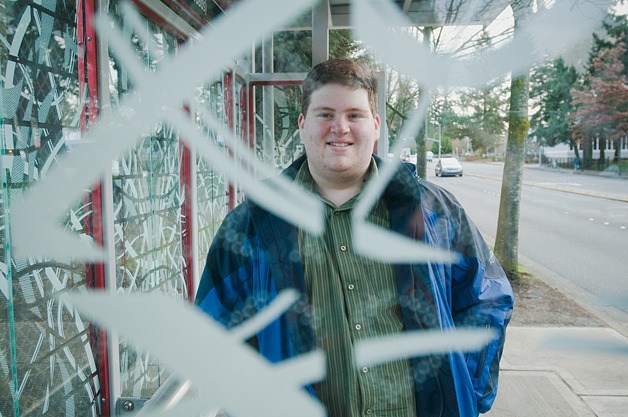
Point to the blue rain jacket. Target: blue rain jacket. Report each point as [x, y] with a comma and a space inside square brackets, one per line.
[255, 255]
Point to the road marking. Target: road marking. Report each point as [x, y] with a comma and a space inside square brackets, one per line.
[616, 197]
[572, 184]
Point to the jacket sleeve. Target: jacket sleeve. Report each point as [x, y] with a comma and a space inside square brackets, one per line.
[481, 297]
[225, 291]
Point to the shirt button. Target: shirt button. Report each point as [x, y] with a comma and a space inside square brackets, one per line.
[369, 411]
[351, 286]
[343, 248]
[365, 370]
[358, 327]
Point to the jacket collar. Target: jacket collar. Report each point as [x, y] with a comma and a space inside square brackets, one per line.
[402, 189]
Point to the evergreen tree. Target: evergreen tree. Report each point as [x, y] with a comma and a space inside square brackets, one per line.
[484, 121]
[452, 125]
[293, 49]
[551, 90]
[616, 27]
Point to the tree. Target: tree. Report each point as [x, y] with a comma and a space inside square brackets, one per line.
[293, 49]
[507, 238]
[445, 147]
[443, 113]
[616, 27]
[475, 113]
[292, 52]
[484, 121]
[402, 98]
[551, 86]
[602, 100]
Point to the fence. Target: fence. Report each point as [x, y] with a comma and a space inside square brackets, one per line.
[607, 164]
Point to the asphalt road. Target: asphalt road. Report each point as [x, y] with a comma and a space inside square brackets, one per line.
[572, 226]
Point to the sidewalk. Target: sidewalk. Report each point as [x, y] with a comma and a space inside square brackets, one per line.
[540, 378]
[585, 375]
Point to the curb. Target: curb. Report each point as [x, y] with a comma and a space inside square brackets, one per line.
[609, 315]
[615, 197]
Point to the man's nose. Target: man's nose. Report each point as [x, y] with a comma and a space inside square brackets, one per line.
[340, 126]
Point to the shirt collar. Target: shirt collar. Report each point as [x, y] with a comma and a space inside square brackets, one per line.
[305, 180]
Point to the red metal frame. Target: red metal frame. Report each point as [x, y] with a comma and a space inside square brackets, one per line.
[187, 13]
[186, 212]
[185, 181]
[88, 73]
[227, 88]
[153, 17]
[185, 184]
[244, 110]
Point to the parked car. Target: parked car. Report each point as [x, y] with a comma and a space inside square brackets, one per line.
[448, 166]
[429, 155]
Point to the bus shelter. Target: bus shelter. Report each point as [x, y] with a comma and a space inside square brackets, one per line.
[153, 206]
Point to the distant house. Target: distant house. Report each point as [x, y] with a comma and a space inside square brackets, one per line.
[565, 150]
[561, 150]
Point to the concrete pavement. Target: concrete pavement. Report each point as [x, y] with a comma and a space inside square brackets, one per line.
[563, 372]
[566, 371]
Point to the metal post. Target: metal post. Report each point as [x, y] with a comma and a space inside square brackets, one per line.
[440, 139]
[320, 32]
[268, 109]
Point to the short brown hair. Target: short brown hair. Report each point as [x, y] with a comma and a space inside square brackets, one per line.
[343, 71]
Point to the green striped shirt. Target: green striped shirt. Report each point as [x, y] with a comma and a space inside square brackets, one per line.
[353, 298]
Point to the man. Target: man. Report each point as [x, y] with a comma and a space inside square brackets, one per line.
[348, 297]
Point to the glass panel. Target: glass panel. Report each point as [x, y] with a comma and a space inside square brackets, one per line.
[277, 134]
[47, 351]
[147, 199]
[212, 188]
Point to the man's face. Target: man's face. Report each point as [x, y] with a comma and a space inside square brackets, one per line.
[339, 132]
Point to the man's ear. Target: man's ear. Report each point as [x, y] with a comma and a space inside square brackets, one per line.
[301, 120]
[377, 125]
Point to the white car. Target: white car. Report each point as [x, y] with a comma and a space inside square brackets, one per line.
[448, 166]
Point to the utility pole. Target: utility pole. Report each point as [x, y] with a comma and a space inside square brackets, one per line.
[440, 138]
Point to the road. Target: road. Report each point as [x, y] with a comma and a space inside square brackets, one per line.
[572, 226]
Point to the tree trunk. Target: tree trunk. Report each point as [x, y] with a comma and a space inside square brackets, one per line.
[574, 145]
[420, 139]
[507, 239]
[601, 161]
[587, 152]
[421, 149]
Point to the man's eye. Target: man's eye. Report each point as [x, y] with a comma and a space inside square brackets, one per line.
[324, 115]
[355, 116]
